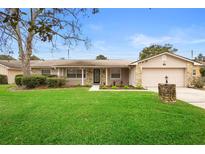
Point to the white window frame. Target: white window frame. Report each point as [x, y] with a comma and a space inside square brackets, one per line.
[194, 72]
[76, 78]
[45, 70]
[115, 78]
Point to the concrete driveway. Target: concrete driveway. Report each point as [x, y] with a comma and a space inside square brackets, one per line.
[193, 96]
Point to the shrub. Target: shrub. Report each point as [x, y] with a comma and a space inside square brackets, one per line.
[202, 71]
[33, 81]
[41, 80]
[51, 76]
[55, 82]
[3, 79]
[139, 86]
[18, 80]
[104, 87]
[126, 87]
[198, 83]
[114, 87]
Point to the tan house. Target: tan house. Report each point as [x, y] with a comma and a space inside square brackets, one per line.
[148, 72]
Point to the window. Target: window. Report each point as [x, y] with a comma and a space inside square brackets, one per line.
[115, 73]
[194, 72]
[75, 73]
[46, 72]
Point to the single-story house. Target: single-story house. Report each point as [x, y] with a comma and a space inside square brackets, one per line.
[148, 72]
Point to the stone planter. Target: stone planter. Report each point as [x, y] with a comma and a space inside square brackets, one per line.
[167, 92]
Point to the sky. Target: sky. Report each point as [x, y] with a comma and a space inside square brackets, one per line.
[123, 33]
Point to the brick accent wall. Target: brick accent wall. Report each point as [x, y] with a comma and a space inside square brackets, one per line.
[89, 76]
[138, 75]
[189, 73]
[102, 76]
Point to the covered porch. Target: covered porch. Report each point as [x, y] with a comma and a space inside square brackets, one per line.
[94, 75]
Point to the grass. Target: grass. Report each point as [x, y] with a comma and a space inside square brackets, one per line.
[77, 116]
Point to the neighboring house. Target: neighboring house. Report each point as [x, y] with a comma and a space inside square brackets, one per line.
[148, 72]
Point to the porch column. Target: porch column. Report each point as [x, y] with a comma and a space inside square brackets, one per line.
[82, 78]
[58, 72]
[106, 76]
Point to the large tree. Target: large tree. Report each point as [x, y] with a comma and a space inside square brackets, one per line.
[24, 26]
[155, 49]
[101, 57]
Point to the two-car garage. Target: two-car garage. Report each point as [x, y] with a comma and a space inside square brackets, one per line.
[152, 76]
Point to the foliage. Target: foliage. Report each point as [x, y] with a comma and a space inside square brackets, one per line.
[51, 76]
[55, 82]
[202, 71]
[104, 87]
[18, 80]
[101, 57]
[6, 57]
[33, 81]
[76, 116]
[139, 86]
[52, 25]
[198, 83]
[114, 87]
[3, 79]
[155, 49]
[126, 87]
[200, 58]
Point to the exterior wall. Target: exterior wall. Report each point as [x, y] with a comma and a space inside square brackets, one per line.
[124, 77]
[38, 71]
[189, 73]
[3, 70]
[171, 62]
[132, 75]
[12, 74]
[9, 73]
[89, 76]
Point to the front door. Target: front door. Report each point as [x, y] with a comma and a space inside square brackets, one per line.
[96, 75]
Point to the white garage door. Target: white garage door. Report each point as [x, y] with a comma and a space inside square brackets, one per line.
[151, 77]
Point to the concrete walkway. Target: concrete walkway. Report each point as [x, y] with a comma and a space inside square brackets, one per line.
[193, 96]
[95, 88]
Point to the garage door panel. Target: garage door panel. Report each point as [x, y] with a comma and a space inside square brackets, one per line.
[152, 76]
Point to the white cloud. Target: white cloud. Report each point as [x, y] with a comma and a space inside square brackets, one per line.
[141, 39]
[176, 36]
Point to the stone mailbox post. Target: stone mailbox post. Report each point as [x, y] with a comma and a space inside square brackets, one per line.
[167, 92]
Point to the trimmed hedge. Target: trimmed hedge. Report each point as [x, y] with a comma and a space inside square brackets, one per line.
[36, 81]
[3, 79]
[55, 82]
[18, 80]
[33, 81]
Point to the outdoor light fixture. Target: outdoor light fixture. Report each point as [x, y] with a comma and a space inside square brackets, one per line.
[166, 78]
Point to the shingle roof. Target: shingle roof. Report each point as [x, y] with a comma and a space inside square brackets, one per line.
[69, 63]
[79, 63]
[14, 64]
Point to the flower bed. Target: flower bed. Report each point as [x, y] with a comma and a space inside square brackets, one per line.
[121, 87]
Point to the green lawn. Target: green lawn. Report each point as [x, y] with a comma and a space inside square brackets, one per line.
[77, 116]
